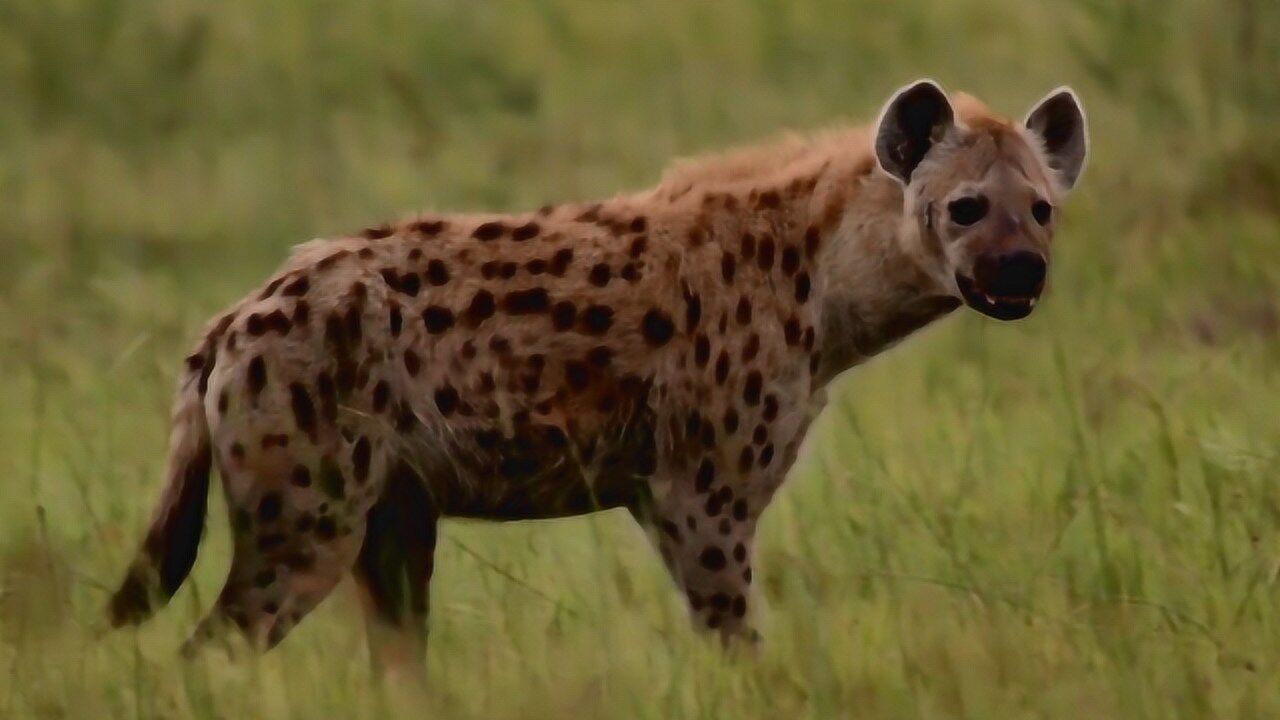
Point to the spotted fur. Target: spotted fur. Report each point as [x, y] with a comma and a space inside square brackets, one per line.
[662, 352]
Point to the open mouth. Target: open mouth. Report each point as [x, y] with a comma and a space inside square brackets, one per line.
[1000, 307]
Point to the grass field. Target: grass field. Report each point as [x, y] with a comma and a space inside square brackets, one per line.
[1076, 516]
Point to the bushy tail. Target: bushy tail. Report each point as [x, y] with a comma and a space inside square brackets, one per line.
[169, 550]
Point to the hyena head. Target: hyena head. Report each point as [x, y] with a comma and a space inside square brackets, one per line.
[983, 191]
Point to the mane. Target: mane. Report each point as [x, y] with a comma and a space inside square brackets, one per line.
[792, 152]
[778, 158]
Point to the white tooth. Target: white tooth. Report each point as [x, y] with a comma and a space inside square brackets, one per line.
[990, 300]
[1032, 302]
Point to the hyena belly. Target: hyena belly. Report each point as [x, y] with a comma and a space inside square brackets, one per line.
[540, 470]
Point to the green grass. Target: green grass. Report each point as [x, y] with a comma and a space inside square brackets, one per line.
[1074, 516]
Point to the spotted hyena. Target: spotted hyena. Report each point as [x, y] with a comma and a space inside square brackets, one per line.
[662, 352]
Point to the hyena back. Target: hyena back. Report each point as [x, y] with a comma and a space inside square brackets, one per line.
[662, 352]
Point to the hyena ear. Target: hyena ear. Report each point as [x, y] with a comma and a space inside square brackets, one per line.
[914, 119]
[1058, 121]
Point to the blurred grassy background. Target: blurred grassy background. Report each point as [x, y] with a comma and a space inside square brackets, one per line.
[1075, 516]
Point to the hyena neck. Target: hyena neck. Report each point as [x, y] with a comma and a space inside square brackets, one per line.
[872, 285]
[865, 263]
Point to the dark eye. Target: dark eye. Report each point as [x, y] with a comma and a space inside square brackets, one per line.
[967, 210]
[1042, 211]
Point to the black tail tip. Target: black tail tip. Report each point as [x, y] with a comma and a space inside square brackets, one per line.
[132, 602]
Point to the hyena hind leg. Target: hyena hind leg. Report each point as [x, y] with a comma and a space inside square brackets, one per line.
[290, 552]
[393, 573]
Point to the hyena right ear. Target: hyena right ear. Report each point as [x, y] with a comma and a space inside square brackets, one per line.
[914, 119]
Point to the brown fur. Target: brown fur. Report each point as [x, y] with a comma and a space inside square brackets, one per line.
[663, 352]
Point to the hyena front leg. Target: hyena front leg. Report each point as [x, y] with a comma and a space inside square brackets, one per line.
[394, 570]
[704, 532]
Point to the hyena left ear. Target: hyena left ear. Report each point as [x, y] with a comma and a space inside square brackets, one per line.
[1058, 121]
[914, 120]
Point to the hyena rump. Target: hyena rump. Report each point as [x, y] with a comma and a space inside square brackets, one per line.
[663, 352]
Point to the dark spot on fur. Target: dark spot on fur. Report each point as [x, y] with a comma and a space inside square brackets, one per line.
[702, 350]
[489, 231]
[481, 308]
[600, 356]
[328, 262]
[791, 330]
[328, 397]
[526, 302]
[770, 408]
[638, 246]
[731, 421]
[764, 260]
[759, 435]
[746, 459]
[326, 529]
[301, 312]
[437, 272]
[766, 455]
[409, 284]
[331, 481]
[657, 328]
[712, 558]
[429, 227]
[600, 274]
[361, 455]
[411, 362]
[560, 262]
[751, 390]
[563, 315]
[381, 396]
[526, 231]
[270, 541]
[705, 476]
[254, 325]
[377, 232]
[272, 440]
[811, 240]
[256, 378]
[728, 267]
[446, 400]
[270, 289]
[304, 411]
[597, 319]
[790, 259]
[395, 320]
[722, 368]
[300, 476]
[437, 319]
[751, 348]
[269, 507]
[692, 310]
[803, 287]
[298, 287]
[577, 375]
[740, 511]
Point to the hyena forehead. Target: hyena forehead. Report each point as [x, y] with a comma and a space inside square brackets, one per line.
[986, 150]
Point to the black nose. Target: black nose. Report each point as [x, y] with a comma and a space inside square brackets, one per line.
[1010, 273]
